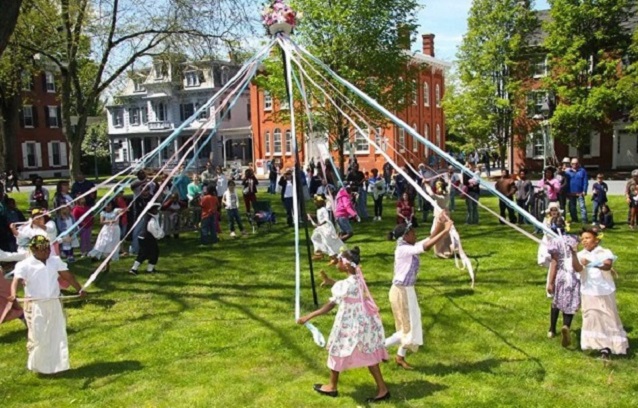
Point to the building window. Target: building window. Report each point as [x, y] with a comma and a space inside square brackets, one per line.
[52, 116]
[415, 141]
[224, 75]
[160, 70]
[186, 110]
[27, 116]
[248, 111]
[539, 68]
[144, 114]
[538, 147]
[56, 159]
[27, 81]
[535, 101]
[277, 141]
[205, 113]
[401, 140]
[437, 95]
[118, 118]
[134, 116]
[426, 135]
[402, 90]
[225, 112]
[361, 144]
[267, 140]
[438, 135]
[49, 80]
[415, 93]
[288, 142]
[284, 105]
[30, 156]
[192, 78]
[160, 111]
[137, 85]
[378, 138]
[426, 94]
[267, 101]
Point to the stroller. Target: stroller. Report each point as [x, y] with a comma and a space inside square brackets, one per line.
[263, 215]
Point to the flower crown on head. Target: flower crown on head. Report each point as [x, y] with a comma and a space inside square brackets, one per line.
[279, 12]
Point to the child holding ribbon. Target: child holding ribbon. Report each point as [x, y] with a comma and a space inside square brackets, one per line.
[357, 336]
[602, 329]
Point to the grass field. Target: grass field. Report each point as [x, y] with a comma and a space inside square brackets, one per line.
[215, 329]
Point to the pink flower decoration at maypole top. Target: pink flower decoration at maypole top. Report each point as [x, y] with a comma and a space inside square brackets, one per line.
[279, 17]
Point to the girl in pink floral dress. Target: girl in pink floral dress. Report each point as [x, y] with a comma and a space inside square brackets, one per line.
[357, 336]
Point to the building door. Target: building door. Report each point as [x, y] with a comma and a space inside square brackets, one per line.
[627, 149]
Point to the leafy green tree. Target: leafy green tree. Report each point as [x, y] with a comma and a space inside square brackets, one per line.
[586, 41]
[363, 41]
[92, 44]
[628, 84]
[483, 107]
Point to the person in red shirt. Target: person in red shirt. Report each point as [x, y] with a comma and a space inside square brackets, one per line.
[405, 211]
[209, 206]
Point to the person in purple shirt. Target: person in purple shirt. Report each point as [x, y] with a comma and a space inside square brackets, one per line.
[577, 190]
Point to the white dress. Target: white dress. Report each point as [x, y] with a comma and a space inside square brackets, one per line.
[109, 237]
[324, 237]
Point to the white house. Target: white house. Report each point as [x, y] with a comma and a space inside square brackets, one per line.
[158, 99]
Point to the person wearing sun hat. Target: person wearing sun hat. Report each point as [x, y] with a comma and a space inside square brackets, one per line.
[39, 272]
[403, 298]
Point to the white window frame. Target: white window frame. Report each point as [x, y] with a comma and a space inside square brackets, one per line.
[415, 142]
[163, 110]
[158, 68]
[138, 85]
[53, 109]
[542, 72]
[361, 145]
[134, 114]
[118, 118]
[401, 140]
[288, 145]
[267, 101]
[50, 81]
[437, 95]
[52, 162]
[426, 135]
[378, 137]
[284, 105]
[415, 93]
[191, 79]
[426, 94]
[37, 155]
[276, 135]
[437, 134]
[25, 109]
[267, 143]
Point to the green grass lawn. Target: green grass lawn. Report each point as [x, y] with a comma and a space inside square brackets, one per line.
[215, 329]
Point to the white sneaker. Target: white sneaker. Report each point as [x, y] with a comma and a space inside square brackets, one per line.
[232, 234]
[379, 218]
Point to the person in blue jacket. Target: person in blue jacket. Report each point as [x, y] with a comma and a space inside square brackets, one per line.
[577, 190]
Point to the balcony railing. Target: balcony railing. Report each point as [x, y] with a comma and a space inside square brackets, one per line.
[160, 125]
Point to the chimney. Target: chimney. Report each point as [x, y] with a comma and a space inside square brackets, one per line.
[428, 44]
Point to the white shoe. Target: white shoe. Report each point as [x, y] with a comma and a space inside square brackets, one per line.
[379, 218]
[232, 234]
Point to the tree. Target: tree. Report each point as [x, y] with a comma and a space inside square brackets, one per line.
[586, 41]
[484, 106]
[628, 85]
[364, 42]
[8, 19]
[93, 44]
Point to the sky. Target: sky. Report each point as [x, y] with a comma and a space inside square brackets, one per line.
[447, 19]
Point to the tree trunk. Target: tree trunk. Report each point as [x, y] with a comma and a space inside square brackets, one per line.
[9, 111]
[8, 19]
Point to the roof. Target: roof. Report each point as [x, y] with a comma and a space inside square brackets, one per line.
[423, 58]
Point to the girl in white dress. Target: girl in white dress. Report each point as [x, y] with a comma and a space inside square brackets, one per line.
[324, 237]
[109, 237]
[357, 336]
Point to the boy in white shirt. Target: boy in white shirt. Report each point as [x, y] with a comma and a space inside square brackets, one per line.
[230, 200]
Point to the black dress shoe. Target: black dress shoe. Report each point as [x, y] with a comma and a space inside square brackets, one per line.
[379, 399]
[317, 387]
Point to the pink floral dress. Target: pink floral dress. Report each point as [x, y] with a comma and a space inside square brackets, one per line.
[357, 337]
[567, 284]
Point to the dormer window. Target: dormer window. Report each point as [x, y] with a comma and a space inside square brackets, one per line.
[138, 85]
[160, 70]
[192, 78]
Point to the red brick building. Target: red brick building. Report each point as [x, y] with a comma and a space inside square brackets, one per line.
[272, 140]
[40, 147]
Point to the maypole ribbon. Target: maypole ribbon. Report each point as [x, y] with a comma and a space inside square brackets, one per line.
[316, 334]
[417, 136]
[464, 259]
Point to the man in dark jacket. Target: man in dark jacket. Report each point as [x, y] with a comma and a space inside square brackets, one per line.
[577, 190]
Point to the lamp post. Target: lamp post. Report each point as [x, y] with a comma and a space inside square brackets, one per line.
[543, 117]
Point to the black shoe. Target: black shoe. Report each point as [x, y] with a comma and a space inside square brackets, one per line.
[133, 272]
[373, 400]
[317, 387]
